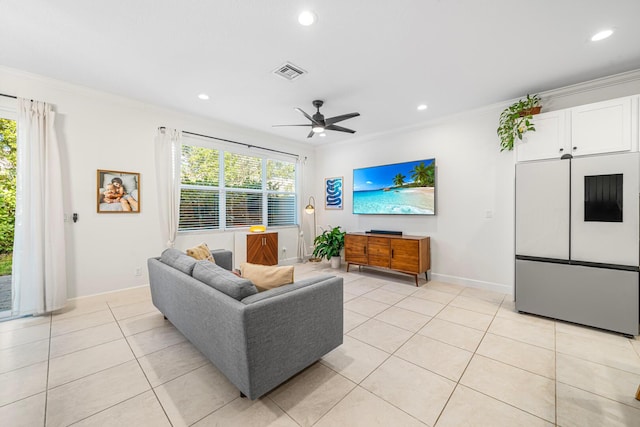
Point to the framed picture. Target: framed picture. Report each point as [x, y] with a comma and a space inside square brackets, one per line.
[118, 192]
[333, 194]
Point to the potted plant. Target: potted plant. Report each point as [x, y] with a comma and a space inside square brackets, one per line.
[329, 244]
[515, 120]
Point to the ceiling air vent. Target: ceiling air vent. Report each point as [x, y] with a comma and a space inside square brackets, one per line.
[289, 71]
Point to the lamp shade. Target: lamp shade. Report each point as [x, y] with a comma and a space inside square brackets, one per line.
[310, 208]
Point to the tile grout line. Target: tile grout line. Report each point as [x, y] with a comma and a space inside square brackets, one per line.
[141, 369]
[478, 391]
[46, 386]
[359, 384]
[88, 375]
[30, 364]
[106, 409]
[290, 416]
[555, 370]
[467, 366]
[458, 382]
[495, 315]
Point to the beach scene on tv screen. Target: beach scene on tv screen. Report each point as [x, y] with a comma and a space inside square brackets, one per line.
[402, 188]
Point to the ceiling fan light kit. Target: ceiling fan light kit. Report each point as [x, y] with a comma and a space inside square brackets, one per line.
[319, 124]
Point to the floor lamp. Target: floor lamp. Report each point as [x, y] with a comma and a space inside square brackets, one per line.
[311, 210]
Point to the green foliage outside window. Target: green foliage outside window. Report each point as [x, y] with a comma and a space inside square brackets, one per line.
[8, 159]
[244, 186]
[199, 165]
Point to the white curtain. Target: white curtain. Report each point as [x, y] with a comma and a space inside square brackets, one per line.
[168, 144]
[39, 276]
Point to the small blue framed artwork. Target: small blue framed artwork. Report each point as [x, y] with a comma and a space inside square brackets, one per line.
[333, 194]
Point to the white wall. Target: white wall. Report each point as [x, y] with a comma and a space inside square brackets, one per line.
[102, 131]
[472, 178]
[473, 181]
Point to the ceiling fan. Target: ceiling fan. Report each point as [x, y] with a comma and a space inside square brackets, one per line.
[319, 124]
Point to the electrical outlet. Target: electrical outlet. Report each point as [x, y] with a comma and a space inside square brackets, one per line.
[138, 271]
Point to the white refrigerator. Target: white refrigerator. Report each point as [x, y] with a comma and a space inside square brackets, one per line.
[578, 241]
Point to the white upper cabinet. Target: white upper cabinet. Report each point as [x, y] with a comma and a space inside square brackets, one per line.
[598, 128]
[547, 141]
[603, 127]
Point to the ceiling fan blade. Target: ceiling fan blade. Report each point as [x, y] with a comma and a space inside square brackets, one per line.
[307, 116]
[337, 119]
[339, 128]
[310, 134]
[275, 126]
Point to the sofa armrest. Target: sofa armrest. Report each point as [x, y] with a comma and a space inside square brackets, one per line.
[288, 332]
[223, 257]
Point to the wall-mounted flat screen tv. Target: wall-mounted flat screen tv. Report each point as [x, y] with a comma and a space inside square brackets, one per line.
[398, 189]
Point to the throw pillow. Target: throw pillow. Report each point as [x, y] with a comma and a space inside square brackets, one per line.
[201, 252]
[223, 280]
[267, 277]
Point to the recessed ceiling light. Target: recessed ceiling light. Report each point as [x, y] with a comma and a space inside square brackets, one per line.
[203, 96]
[601, 35]
[307, 18]
[323, 134]
[422, 107]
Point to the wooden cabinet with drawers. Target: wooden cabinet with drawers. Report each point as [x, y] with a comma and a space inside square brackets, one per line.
[262, 248]
[405, 254]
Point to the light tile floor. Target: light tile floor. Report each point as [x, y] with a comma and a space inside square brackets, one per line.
[434, 355]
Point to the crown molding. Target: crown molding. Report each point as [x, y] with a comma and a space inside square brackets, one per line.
[632, 76]
[595, 84]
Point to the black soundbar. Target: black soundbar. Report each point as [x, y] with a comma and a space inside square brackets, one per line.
[395, 233]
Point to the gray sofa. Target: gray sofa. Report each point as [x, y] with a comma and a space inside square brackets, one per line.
[257, 340]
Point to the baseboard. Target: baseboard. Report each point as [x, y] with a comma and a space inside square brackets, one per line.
[472, 283]
[146, 285]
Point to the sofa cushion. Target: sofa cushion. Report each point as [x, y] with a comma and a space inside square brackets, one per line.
[178, 260]
[200, 252]
[267, 277]
[223, 280]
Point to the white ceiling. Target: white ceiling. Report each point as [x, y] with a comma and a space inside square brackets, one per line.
[380, 58]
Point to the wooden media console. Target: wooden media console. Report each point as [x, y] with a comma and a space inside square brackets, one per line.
[405, 254]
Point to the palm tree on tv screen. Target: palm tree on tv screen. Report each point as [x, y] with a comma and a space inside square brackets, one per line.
[398, 180]
[423, 175]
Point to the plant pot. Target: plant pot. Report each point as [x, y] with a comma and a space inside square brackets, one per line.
[530, 111]
[335, 262]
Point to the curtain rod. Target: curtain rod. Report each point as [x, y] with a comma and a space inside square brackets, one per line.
[9, 96]
[239, 143]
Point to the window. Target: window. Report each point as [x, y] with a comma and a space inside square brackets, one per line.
[223, 189]
[8, 163]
